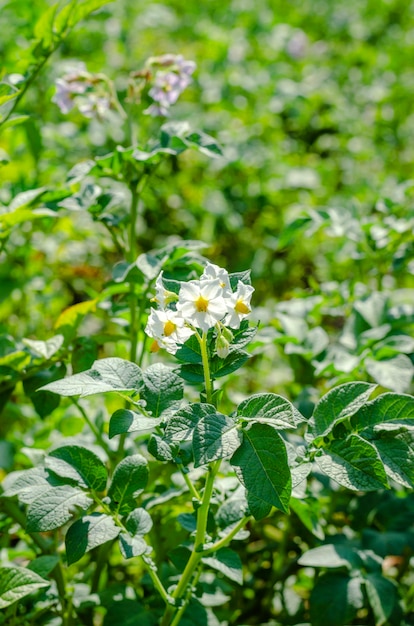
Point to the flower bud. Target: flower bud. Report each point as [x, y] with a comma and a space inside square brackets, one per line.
[222, 347]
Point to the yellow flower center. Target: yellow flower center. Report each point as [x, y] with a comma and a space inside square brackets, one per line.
[201, 304]
[169, 328]
[241, 307]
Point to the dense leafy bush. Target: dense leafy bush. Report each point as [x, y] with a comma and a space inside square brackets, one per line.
[207, 313]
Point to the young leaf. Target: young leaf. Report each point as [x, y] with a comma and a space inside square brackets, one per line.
[79, 464]
[129, 478]
[161, 449]
[132, 546]
[53, 508]
[127, 421]
[271, 409]
[307, 511]
[87, 533]
[138, 522]
[111, 374]
[339, 404]
[228, 563]
[354, 463]
[162, 387]
[215, 437]
[181, 425]
[261, 465]
[17, 583]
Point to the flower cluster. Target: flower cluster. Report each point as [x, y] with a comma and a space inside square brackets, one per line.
[88, 92]
[169, 81]
[200, 305]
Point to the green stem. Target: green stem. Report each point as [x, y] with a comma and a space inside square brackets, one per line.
[198, 552]
[92, 426]
[206, 367]
[221, 543]
[190, 485]
[183, 607]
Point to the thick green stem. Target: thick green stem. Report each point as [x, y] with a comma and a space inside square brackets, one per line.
[206, 367]
[197, 554]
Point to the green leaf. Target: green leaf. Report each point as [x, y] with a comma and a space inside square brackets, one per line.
[43, 565]
[353, 463]
[43, 29]
[54, 507]
[79, 464]
[396, 373]
[271, 409]
[397, 454]
[87, 533]
[228, 563]
[335, 599]
[27, 485]
[338, 405]
[223, 367]
[215, 436]
[45, 349]
[132, 546]
[129, 479]
[388, 408]
[80, 11]
[162, 449]
[261, 465]
[181, 425]
[309, 514]
[162, 388]
[382, 595]
[112, 374]
[17, 583]
[332, 556]
[190, 352]
[127, 421]
[138, 522]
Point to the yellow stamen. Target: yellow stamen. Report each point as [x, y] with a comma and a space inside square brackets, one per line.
[241, 307]
[201, 304]
[154, 346]
[169, 328]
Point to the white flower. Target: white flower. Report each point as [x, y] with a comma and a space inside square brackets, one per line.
[163, 296]
[201, 303]
[239, 305]
[168, 329]
[212, 272]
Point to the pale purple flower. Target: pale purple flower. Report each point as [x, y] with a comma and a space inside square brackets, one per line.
[67, 88]
[168, 85]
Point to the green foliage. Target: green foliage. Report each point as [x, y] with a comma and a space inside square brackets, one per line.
[145, 477]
